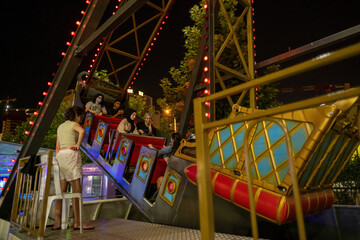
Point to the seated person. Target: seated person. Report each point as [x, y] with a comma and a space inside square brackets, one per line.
[166, 152]
[96, 106]
[128, 125]
[115, 111]
[146, 128]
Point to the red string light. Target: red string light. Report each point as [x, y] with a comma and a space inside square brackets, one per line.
[44, 93]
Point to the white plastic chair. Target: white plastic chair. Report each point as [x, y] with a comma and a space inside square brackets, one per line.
[65, 199]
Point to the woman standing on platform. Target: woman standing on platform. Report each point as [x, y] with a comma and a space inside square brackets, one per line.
[69, 137]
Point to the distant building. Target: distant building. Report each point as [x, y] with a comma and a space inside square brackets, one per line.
[12, 118]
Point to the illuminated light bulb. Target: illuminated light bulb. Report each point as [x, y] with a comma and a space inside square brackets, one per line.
[253, 21]
[132, 83]
[64, 54]
[26, 133]
[207, 115]
[82, 12]
[136, 74]
[255, 63]
[206, 58]
[256, 89]
[144, 59]
[154, 38]
[86, 76]
[206, 69]
[149, 49]
[257, 98]
[44, 93]
[58, 64]
[139, 69]
[49, 83]
[87, 2]
[98, 49]
[53, 74]
[206, 27]
[116, 7]
[166, 17]
[163, 22]
[101, 44]
[119, 0]
[252, 9]
[206, 48]
[253, 14]
[31, 122]
[152, 44]
[206, 80]
[206, 37]
[134, 78]
[207, 104]
[254, 54]
[96, 55]
[257, 107]
[113, 13]
[157, 33]
[78, 23]
[254, 46]
[255, 71]
[160, 28]
[93, 60]
[72, 33]
[88, 71]
[91, 65]
[141, 64]
[206, 91]
[254, 37]
[252, 1]
[68, 43]
[40, 103]
[206, 6]
[253, 29]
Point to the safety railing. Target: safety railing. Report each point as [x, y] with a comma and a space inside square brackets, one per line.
[31, 193]
[203, 126]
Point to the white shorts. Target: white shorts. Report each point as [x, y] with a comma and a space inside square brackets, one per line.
[70, 164]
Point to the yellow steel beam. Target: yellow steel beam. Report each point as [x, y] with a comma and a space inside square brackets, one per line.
[206, 208]
[306, 66]
[232, 72]
[123, 53]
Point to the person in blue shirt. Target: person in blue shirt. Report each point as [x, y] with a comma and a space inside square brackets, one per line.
[170, 149]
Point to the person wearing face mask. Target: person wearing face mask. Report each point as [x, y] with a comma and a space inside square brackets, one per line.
[128, 125]
[96, 106]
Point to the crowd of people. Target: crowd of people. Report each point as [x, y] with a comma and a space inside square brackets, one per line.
[70, 135]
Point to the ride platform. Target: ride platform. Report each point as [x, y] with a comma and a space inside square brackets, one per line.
[116, 228]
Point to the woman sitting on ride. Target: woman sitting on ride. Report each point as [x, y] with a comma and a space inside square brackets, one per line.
[128, 125]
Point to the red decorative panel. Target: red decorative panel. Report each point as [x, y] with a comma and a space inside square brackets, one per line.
[241, 194]
[190, 172]
[267, 204]
[222, 186]
[322, 201]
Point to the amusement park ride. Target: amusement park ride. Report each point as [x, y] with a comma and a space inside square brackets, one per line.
[271, 166]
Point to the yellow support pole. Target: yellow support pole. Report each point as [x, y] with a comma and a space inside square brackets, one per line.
[203, 173]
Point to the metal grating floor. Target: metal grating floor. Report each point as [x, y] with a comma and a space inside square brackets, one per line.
[126, 230]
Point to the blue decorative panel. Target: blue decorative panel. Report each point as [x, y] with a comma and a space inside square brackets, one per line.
[264, 167]
[280, 154]
[143, 168]
[291, 124]
[100, 132]
[275, 133]
[239, 138]
[236, 126]
[224, 134]
[216, 159]
[231, 164]
[170, 188]
[259, 146]
[214, 144]
[228, 150]
[298, 139]
[282, 173]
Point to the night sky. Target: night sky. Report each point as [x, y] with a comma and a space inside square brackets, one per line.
[34, 34]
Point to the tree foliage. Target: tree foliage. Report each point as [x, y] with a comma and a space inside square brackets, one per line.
[175, 88]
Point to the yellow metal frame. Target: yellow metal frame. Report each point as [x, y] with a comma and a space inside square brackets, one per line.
[204, 128]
